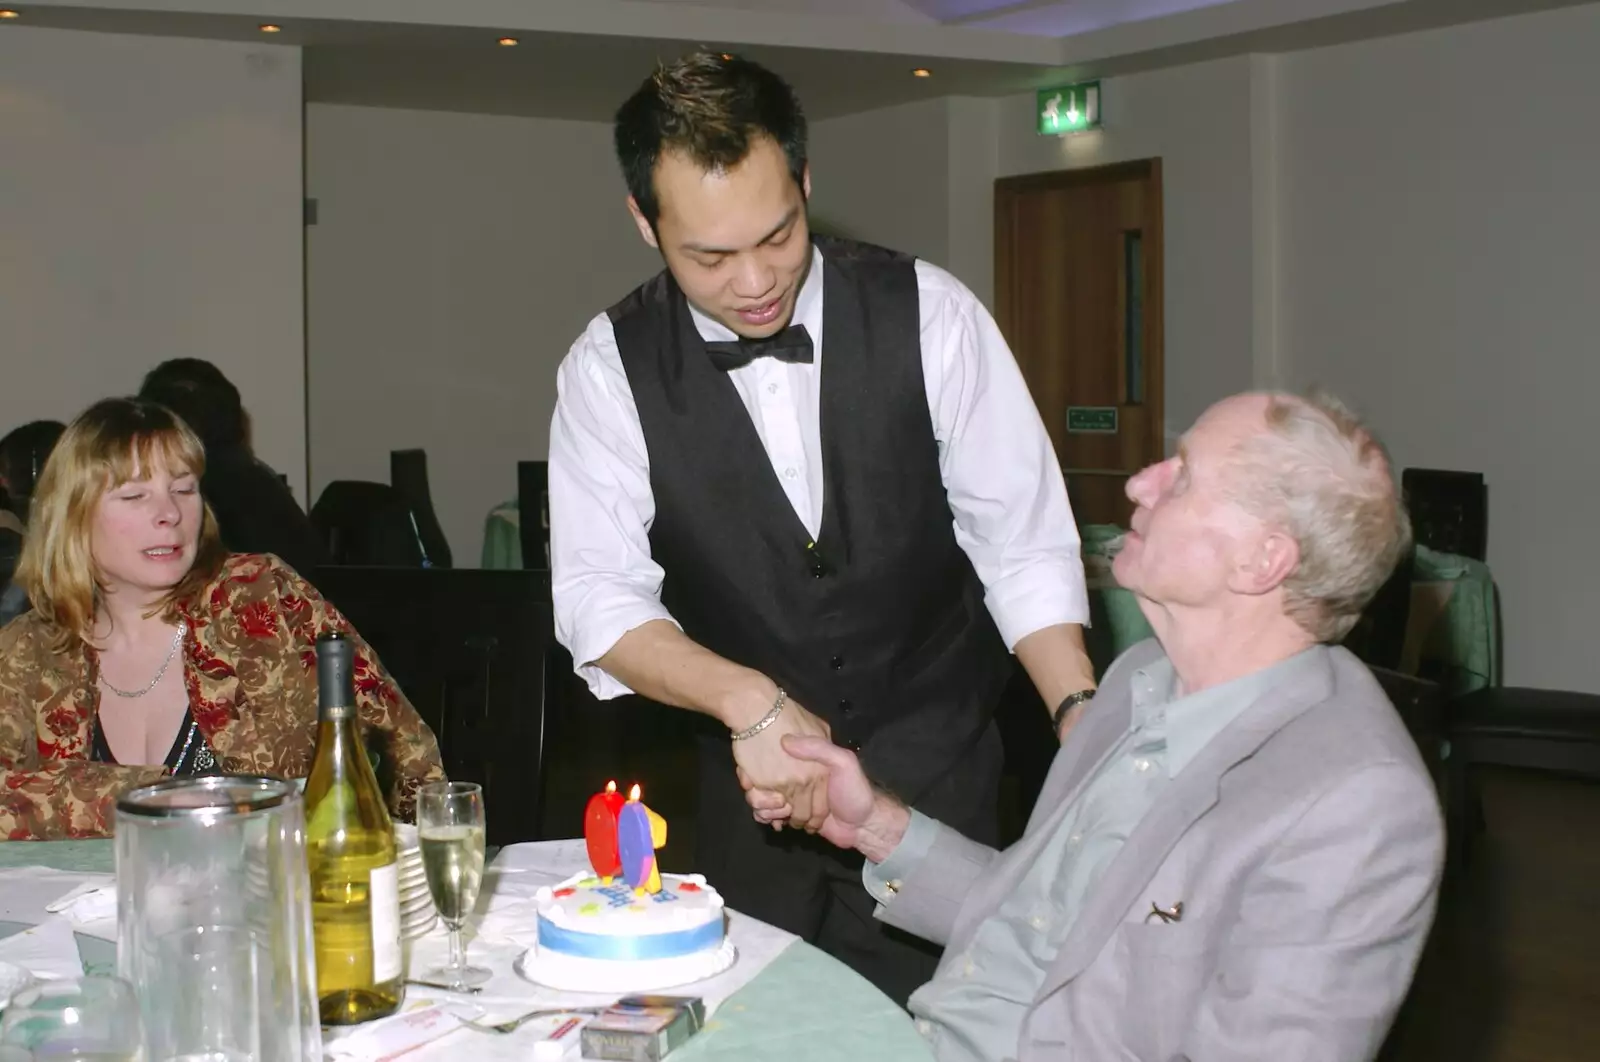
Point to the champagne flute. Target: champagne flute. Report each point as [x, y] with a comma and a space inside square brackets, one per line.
[92, 1018]
[451, 831]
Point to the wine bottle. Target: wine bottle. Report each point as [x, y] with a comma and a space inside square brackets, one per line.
[351, 852]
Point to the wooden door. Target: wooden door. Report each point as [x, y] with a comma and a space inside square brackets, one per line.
[1078, 297]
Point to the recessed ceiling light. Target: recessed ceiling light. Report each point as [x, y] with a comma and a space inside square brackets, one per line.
[268, 27]
[922, 71]
[8, 13]
[508, 42]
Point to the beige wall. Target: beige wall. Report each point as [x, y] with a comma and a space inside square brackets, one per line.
[150, 207]
[455, 259]
[434, 231]
[974, 161]
[1196, 120]
[921, 178]
[1390, 219]
[884, 176]
[918, 178]
[1385, 218]
[1438, 243]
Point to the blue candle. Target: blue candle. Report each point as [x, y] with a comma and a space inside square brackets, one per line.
[640, 832]
[633, 842]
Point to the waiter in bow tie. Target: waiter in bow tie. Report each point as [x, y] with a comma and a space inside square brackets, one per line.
[798, 485]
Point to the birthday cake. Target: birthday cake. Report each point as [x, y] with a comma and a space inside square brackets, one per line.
[594, 935]
[623, 925]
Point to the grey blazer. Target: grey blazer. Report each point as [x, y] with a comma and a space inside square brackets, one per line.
[1305, 844]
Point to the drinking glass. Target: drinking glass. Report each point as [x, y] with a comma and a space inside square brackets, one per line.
[207, 1004]
[90, 1019]
[225, 854]
[451, 832]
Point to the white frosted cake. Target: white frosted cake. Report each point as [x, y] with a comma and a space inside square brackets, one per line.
[608, 937]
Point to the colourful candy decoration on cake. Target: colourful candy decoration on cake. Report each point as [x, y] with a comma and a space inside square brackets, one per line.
[640, 832]
[600, 832]
[582, 920]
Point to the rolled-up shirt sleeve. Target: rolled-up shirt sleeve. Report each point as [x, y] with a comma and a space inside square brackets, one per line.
[603, 580]
[1004, 484]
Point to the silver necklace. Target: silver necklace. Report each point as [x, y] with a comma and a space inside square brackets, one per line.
[177, 640]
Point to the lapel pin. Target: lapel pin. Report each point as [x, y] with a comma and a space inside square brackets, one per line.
[1167, 916]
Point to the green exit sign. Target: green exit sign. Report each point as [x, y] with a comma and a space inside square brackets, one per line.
[1069, 108]
[1092, 420]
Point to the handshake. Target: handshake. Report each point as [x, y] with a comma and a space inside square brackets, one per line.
[792, 773]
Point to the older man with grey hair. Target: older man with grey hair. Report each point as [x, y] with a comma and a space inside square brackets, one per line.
[1237, 852]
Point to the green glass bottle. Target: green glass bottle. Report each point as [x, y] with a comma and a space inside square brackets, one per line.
[351, 852]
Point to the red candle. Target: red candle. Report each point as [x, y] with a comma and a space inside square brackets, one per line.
[600, 831]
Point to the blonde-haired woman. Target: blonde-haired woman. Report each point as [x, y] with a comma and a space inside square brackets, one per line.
[151, 651]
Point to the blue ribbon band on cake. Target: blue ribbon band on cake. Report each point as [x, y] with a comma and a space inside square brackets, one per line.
[630, 949]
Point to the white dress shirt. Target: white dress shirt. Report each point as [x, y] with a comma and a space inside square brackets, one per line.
[1006, 493]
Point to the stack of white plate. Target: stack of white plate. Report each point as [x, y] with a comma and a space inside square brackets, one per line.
[417, 913]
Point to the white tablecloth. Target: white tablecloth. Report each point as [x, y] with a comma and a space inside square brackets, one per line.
[503, 928]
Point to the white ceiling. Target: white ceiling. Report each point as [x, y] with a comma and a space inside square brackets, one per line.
[1085, 14]
[580, 58]
[894, 12]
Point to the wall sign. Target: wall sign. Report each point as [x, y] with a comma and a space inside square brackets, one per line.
[1069, 108]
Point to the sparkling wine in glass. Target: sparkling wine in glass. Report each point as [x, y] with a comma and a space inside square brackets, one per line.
[450, 828]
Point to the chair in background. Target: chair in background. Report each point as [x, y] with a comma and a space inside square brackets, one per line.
[408, 473]
[469, 648]
[13, 600]
[533, 513]
[1545, 730]
[1449, 510]
[1421, 706]
[365, 523]
[1379, 637]
[23, 453]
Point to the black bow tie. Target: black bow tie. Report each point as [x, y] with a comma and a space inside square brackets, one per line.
[793, 344]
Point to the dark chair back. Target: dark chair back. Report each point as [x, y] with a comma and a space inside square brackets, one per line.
[364, 523]
[13, 601]
[1449, 510]
[1420, 704]
[533, 513]
[408, 472]
[1379, 637]
[468, 647]
[23, 452]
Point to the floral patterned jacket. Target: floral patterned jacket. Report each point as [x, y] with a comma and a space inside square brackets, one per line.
[250, 668]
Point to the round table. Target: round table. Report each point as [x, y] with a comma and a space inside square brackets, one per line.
[805, 1005]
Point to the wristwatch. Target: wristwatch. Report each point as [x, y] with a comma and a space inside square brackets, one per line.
[1072, 701]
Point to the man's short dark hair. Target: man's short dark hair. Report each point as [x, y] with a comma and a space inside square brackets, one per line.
[197, 391]
[711, 107]
[23, 453]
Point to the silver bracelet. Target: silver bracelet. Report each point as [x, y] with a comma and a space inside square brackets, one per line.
[766, 720]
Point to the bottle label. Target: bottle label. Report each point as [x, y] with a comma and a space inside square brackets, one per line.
[384, 894]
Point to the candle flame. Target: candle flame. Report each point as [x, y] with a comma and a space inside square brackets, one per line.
[611, 787]
[633, 794]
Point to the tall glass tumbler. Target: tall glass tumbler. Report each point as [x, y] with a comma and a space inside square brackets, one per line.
[226, 855]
